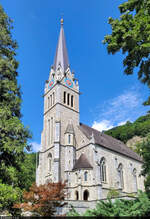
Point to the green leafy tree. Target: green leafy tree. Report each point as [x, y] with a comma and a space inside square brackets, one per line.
[144, 150]
[9, 196]
[13, 134]
[120, 207]
[113, 193]
[141, 127]
[131, 34]
[26, 176]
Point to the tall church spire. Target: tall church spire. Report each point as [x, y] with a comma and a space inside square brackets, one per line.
[61, 57]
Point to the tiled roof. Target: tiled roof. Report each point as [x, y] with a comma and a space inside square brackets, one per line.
[109, 142]
[82, 163]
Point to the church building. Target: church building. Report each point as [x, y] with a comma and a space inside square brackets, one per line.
[92, 162]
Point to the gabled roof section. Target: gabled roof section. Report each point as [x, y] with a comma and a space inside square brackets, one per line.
[82, 163]
[61, 57]
[70, 129]
[109, 142]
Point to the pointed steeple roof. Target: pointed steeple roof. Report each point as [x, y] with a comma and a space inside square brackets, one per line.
[82, 163]
[61, 57]
[70, 129]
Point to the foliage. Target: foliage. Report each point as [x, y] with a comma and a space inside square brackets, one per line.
[131, 34]
[144, 150]
[141, 127]
[13, 134]
[113, 193]
[73, 212]
[28, 171]
[43, 199]
[8, 196]
[120, 207]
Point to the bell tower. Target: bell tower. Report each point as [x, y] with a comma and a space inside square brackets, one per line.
[61, 107]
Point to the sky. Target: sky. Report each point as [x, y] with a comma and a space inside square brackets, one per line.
[109, 97]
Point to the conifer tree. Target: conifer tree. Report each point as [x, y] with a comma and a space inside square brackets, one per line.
[13, 134]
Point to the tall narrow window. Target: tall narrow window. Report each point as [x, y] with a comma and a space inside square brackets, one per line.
[48, 102]
[77, 195]
[69, 139]
[53, 98]
[85, 195]
[64, 96]
[68, 99]
[103, 170]
[48, 132]
[76, 177]
[71, 100]
[51, 129]
[85, 176]
[120, 173]
[49, 162]
[135, 180]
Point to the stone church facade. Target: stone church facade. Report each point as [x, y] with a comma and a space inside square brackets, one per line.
[92, 162]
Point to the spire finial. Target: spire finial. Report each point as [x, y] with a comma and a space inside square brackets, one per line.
[62, 21]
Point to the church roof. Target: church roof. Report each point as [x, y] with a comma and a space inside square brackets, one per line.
[69, 129]
[61, 56]
[109, 142]
[82, 163]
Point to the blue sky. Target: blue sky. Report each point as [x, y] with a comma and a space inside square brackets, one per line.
[109, 97]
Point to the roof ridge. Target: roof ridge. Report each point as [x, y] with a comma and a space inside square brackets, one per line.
[109, 142]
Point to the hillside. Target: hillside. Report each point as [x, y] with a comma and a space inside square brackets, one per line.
[141, 128]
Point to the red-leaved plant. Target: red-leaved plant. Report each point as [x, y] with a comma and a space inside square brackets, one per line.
[43, 199]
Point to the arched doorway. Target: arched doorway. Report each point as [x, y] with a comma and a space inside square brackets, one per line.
[85, 195]
[77, 195]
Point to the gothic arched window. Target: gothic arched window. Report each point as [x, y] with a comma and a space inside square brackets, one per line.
[48, 103]
[64, 96]
[85, 195]
[69, 139]
[120, 174]
[85, 176]
[135, 179]
[68, 99]
[51, 129]
[103, 170]
[77, 195]
[48, 132]
[76, 175]
[53, 98]
[71, 100]
[50, 100]
[49, 162]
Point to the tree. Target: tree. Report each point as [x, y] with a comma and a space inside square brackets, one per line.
[9, 196]
[140, 127]
[144, 150]
[43, 199]
[131, 34]
[13, 134]
[28, 171]
[120, 207]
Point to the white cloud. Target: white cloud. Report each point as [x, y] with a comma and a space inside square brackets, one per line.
[122, 123]
[127, 106]
[35, 146]
[102, 125]
[122, 106]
